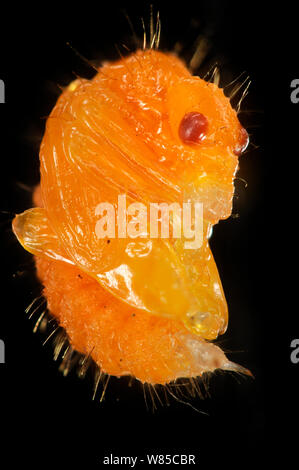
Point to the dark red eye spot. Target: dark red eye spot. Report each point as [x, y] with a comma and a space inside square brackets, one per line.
[243, 142]
[193, 128]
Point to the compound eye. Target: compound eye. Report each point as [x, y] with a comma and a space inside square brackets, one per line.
[243, 142]
[193, 128]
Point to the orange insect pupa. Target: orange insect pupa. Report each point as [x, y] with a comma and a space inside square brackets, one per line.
[144, 127]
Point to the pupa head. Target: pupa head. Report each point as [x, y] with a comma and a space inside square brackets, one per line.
[186, 128]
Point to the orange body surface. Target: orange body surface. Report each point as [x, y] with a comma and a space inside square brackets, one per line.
[146, 307]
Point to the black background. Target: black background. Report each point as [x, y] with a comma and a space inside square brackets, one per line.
[46, 417]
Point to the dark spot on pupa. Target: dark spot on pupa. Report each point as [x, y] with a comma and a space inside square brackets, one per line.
[79, 275]
[108, 241]
[193, 128]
